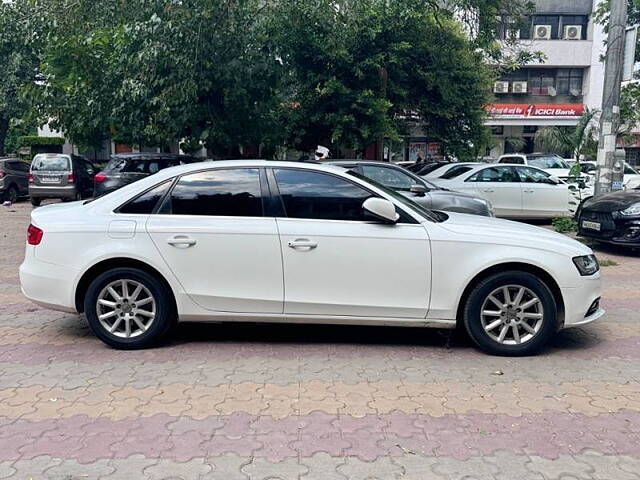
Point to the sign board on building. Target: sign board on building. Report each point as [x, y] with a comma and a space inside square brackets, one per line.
[629, 65]
[540, 110]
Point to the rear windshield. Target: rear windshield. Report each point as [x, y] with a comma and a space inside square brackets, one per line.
[547, 162]
[455, 172]
[51, 163]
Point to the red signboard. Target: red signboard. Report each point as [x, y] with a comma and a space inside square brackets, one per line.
[548, 110]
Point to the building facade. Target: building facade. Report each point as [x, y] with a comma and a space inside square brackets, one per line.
[556, 91]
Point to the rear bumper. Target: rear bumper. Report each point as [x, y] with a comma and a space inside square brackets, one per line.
[39, 191]
[46, 284]
[579, 300]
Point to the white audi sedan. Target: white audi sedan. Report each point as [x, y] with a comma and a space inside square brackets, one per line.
[261, 241]
[515, 191]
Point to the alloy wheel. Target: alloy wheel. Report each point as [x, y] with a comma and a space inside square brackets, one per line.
[512, 315]
[126, 308]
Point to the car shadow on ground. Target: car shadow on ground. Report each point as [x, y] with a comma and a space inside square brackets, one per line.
[289, 334]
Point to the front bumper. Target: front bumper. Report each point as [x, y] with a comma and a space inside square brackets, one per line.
[48, 285]
[39, 191]
[614, 228]
[579, 301]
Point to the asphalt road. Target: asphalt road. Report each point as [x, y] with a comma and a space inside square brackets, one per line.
[314, 402]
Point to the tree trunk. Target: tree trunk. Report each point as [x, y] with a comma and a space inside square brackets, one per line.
[4, 129]
[383, 93]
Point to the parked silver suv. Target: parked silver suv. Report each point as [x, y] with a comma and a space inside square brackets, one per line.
[58, 175]
[416, 188]
[14, 179]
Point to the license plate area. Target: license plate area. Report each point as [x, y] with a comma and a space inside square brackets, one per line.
[50, 179]
[588, 225]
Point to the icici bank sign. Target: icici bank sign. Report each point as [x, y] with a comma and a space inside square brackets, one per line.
[549, 110]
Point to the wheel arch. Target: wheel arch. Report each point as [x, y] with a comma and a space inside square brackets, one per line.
[545, 276]
[109, 264]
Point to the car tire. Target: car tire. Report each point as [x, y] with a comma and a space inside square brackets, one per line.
[517, 325]
[115, 317]
[36, 201]
[12, 194]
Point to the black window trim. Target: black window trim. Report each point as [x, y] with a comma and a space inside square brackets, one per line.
[276, 191]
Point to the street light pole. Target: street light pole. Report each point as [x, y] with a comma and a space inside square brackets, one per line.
[610, 175]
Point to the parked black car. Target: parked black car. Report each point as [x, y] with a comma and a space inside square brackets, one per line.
[416, 188]
[14, 179]
[58, 175]
[125, 168]
[612, 218]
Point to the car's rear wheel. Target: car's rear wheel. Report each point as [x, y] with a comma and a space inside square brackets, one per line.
[36, 201]
[12, 194]
[511, 313]
[129, 309]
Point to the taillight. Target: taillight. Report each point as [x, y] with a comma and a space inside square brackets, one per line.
[1, 174]
[31, 180]
[71, 178]
[34, 235]
[99, 178]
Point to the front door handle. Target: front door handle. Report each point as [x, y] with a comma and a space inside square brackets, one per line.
[302, 244]
[488, 190]
[181, 241]
[529, 191]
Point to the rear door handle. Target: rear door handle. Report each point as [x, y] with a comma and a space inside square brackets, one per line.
[529, 191]
[488, 190]
[302, 244]
[181, 241]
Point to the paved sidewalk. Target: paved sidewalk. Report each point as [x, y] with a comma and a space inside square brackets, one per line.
[314, 402]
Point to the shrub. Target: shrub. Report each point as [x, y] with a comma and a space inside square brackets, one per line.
[564, 225]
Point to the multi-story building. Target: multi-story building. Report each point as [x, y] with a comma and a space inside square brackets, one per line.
[557, 90]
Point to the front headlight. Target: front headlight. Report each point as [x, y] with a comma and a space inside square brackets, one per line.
[586, 264]
[632, 210]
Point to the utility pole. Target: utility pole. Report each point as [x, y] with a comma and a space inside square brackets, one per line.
[610, 174]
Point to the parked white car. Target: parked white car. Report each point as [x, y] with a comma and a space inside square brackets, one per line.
[515, 191]
[549, 162]
[278, 241]
[631, 178]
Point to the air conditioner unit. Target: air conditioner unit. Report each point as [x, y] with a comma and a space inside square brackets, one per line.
[501, 87]
[573, 32]
[542, 32]
[512, 34]
[519, 87]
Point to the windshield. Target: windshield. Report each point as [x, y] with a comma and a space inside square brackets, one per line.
[431, 215]
[455, 172]
[51, 163]
[550, 161]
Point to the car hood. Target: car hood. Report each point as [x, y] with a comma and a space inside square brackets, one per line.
[507, 232]
[612, 202]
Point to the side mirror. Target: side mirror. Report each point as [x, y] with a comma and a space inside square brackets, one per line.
[418, 190]
[381, 210]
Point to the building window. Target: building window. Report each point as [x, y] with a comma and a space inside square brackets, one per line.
[569, 81]
[542, 81]
[525, 28]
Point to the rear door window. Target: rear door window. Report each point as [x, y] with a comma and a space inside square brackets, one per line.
[224, 192]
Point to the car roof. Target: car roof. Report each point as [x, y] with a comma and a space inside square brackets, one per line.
[149, 156]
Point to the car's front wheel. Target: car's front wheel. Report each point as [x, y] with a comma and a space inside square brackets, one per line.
[511, 313]
[128, 308]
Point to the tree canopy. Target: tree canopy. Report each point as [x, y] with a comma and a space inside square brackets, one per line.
[227, 73]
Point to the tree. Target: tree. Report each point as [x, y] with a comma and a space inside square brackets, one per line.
[364, 69]
[569, 139]
[18, 62]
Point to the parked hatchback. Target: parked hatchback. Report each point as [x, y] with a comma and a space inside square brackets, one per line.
[61, 176]
[14, 179]
[417, 189]
[125, 168]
